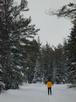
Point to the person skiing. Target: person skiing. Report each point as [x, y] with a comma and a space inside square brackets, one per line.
[49, 86]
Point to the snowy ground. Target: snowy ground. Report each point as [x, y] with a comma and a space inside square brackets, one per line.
[38, 93]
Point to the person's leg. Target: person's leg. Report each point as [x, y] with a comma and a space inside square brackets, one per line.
[48, 91]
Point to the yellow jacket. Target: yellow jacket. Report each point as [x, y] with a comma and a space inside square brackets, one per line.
[49, 84]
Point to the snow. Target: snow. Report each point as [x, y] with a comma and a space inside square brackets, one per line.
[23, 44]
[38, 93]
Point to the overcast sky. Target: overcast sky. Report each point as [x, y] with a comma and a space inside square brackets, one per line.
[52, 29]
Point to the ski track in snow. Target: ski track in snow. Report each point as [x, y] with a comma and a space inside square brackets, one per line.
[38, 93]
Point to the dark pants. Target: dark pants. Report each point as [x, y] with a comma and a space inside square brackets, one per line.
[49, 91]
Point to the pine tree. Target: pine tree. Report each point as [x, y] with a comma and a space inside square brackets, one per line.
[34, 52]
[59, 64]
[69, 11]
[71, 56]
[16, 37]
[46, 61]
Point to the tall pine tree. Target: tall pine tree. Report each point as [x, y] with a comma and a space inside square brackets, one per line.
[16, 37]
[69, 10]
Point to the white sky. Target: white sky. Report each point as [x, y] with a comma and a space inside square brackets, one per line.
[52, 29]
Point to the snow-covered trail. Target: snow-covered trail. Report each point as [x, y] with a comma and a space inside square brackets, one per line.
[38, 93]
